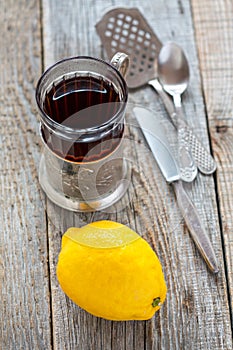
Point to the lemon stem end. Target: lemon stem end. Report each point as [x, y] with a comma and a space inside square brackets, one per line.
[156, 302]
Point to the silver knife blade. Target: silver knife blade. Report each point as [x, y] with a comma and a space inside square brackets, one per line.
[155, 135]
[156, 138]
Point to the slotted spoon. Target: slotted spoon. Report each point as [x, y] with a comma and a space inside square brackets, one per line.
[125, 29]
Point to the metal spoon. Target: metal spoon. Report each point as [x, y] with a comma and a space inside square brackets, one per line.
[173, 73]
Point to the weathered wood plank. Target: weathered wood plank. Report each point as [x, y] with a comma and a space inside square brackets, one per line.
[188, 318]
[214, 32]
[24, 276]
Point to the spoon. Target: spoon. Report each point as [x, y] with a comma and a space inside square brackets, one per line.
[173, 74]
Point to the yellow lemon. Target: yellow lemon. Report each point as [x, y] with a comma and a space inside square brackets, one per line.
[110, 271]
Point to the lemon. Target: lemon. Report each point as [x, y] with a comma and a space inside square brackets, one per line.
[110, 271]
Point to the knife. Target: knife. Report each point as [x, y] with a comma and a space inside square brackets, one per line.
[159, 145]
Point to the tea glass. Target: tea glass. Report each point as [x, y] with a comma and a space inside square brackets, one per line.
[83, 169]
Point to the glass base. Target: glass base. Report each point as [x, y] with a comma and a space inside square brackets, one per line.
[78, 205]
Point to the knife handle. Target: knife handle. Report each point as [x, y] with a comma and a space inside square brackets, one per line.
[195, 226]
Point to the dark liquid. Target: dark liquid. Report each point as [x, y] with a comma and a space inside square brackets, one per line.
[83, 102]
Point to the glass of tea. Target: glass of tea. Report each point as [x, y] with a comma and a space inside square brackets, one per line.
[82, 102]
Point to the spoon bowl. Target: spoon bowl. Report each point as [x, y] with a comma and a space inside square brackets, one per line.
[173, 69]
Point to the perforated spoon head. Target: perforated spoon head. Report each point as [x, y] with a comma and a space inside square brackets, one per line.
[126, 30]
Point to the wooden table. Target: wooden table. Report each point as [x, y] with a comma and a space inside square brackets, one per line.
[34, 312]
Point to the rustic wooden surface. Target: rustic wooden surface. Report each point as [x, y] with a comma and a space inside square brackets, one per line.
[24, 271]
[34, 312]
[215, 47]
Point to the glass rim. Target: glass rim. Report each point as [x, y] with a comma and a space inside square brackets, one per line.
[51, 123]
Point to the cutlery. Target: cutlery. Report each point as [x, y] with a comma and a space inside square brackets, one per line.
[203, 159]
[173, 74]
[159, 145]
[126, 29]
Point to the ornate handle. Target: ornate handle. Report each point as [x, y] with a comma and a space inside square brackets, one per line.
[203, 159]
[188, 169]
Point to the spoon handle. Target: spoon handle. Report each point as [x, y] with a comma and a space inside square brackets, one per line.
[188, 167]
[203, 159]
[165, 98]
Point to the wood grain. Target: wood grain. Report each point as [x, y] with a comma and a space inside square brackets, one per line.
[188, 318]
[24, 274]
[35, 313]
[213, 27]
